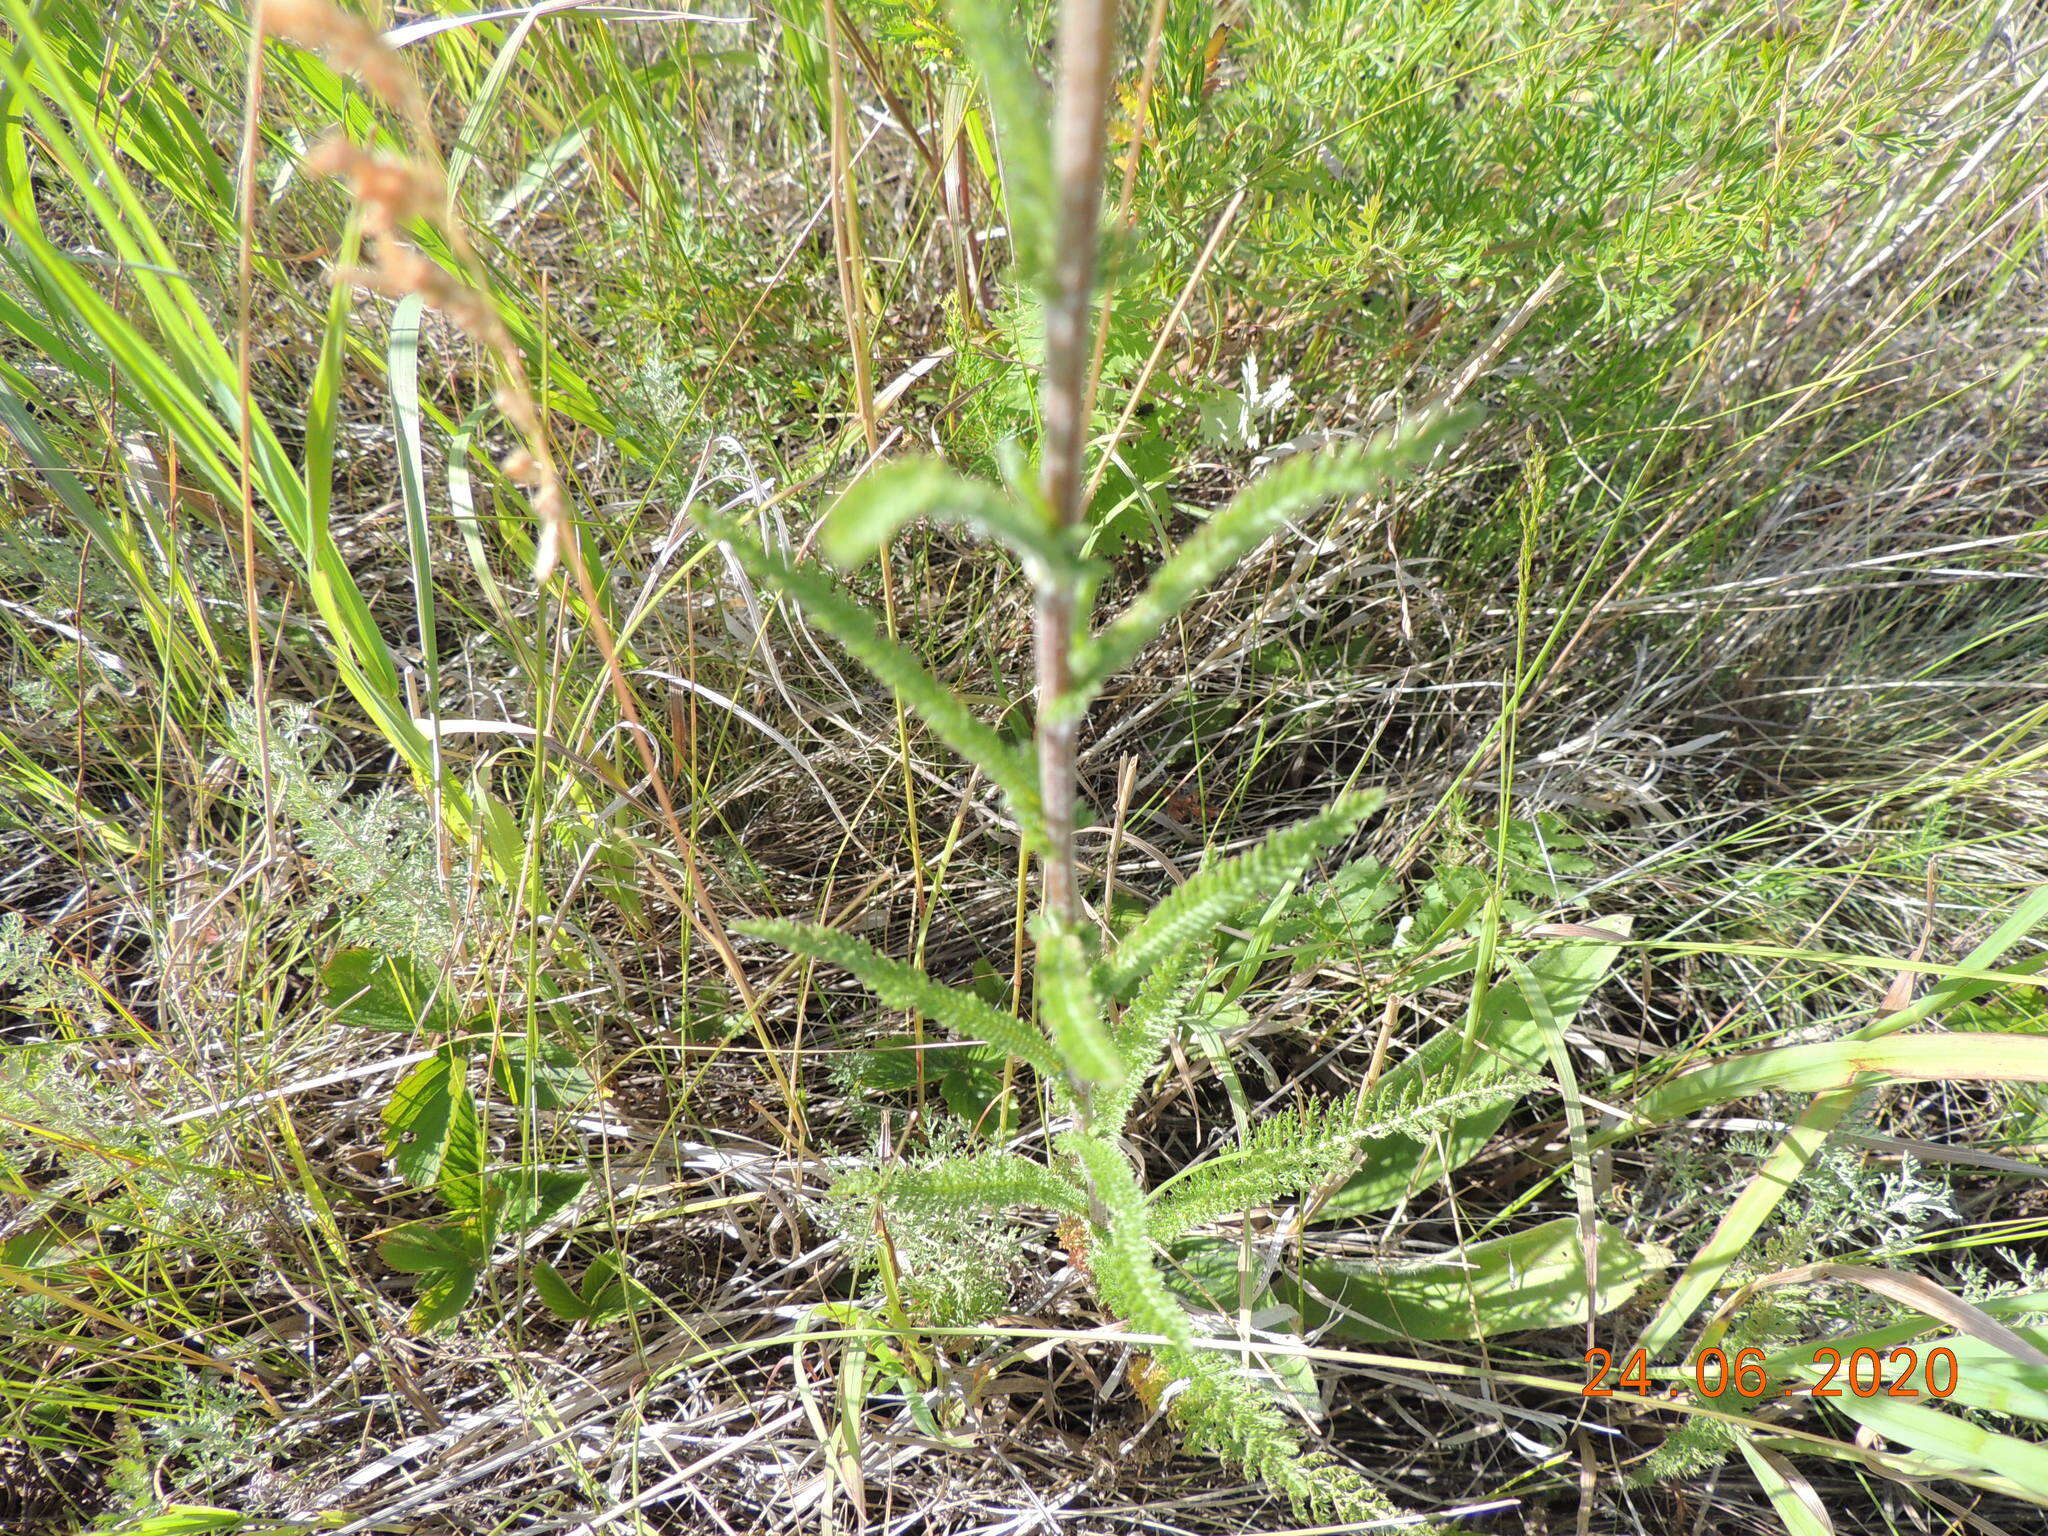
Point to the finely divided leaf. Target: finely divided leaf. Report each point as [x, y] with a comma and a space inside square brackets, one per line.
[1070, 1009]
[991, 34]
[1191, 913]
[894, 666]
[987, 1181]
[1122, 1256]
[908, 489]
[1295, 486]
[1297, 1151]
[1140, 1036]
[905, 986]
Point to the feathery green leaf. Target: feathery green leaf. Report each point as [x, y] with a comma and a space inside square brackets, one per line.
[907, 677]
[991, 35]
[1297, 1150]
[1192, 912]
[1294, 486]
[1070, 1008]
[1225, 1413]
[986, 1181]
[901, 985]
[907, 489]
[1147, 1024]
[1121, 1257]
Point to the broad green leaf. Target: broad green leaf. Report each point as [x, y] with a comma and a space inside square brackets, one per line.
[1782, 1168]
[1951, 1442]
[609, 1291]
[421, 1115]
[460, 1179]
[1509, 1039]
[1792, 1497]
[1212, 1276]
[199, 1519]
[535, 1196]
[441, 1300]
[1518, 1284]
[428, 1247]
[1951, 991]
[1986, 1376]
[375, 991]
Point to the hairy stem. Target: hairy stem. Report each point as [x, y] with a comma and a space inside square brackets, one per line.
[1087, 35]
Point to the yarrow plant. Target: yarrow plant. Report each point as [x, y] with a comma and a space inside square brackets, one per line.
[1103, 1015]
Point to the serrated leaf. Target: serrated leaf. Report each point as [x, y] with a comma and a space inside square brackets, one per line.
[535, 1196]
[460, 1181]
[417, 1120]
[609, 1291]
[557, 1295]
[374, 991]
[969, 1091]
[427, 1247]
[1529, 1281]
[549, 1079]
[441, 1300]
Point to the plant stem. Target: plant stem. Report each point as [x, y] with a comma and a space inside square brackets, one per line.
[1087, 35]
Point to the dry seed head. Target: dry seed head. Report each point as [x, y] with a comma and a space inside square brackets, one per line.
[519, 467]
[392, 192]
[398, 271]
[349, 42]
[551, 508]
[516, 406]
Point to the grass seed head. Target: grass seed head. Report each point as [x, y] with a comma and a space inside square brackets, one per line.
[392, 193]
[350, 42]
